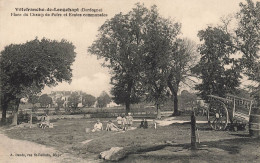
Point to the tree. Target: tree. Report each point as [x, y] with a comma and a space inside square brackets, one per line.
[74, 100]
[33, 99]
[119, 43]
[45, 100]
[187, 99]
[182, 59]
[219, 73]
[160, 35]
[88, 100]
[248, 35]
[59, 102]
[27, 68]
[248, 42]
[103, 100]
[125, 41]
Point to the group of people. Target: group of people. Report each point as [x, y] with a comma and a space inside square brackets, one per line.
[123, 123]
[144, 124]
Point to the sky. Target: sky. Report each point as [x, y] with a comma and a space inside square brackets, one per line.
[88, 74]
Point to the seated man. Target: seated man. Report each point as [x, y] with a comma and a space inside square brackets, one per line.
[119, 121]
[45, 122]
[98, 126]
[142, 124]
[111, 126]
[145, 124]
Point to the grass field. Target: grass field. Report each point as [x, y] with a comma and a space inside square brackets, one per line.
[68, 135]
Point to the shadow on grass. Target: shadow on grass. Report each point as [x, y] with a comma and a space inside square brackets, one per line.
[205, 151]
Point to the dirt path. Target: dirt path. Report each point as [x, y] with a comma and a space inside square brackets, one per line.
[14, 151]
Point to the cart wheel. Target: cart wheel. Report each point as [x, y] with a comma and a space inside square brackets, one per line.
[217, 115]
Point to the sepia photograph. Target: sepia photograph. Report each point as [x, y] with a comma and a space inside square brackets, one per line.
[129, 81]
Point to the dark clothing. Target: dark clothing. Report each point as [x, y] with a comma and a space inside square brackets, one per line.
[142, 124]
[145, 124]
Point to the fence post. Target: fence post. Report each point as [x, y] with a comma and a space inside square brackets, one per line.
[193, 131]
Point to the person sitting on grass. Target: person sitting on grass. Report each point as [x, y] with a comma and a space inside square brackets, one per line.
[119, 121]
[98, 126]
[45, 122]
[142, 124]
[111, 126]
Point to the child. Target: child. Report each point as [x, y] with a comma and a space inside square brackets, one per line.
[119, 121]
[155, 124]
[124, 123]
[130, 120]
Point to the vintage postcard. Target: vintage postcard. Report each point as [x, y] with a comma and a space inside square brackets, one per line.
[129, 81]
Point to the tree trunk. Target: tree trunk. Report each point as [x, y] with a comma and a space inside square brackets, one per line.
[15, 115]
[128, 99]
[193, 131]
[31, 119]
[4, 104]
[15, 112]
[175, 100]
[4, 108]
[158, 111]
[127, 107]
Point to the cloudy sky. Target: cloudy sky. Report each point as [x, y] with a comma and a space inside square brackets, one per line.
[88, 75]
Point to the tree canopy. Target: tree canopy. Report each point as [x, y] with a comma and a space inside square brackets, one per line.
[45, 100]
[88, 100]
[73, 100]
[27, 68]
[103, 100]
[137, 47]
[119, 42]
[219, 73]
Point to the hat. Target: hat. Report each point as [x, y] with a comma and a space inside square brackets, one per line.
[129, 113]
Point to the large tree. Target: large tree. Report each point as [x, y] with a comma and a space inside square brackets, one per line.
[130, 44]
[27, 68]
[218, 71]
[182, 59]
[119, 43]
[247, 37]
[160, 34]
[248, 34]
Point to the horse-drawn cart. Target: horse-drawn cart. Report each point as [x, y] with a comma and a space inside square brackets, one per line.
[232, 110]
